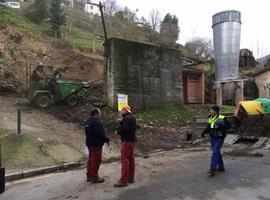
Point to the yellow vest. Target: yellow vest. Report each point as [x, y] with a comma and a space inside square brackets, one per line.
[213, 120]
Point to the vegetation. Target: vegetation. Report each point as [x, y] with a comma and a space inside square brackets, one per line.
[3, 132]
[170, 115]
[12, 17]
[169, 30]
[37, 11]
[57, 18]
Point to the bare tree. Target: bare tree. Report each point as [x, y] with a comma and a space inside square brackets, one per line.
[155, 19]
[201, 47]
[110, 6]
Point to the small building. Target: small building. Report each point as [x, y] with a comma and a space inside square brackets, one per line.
[193, 84]
[262, 80]
[246, 59]
[91, 9]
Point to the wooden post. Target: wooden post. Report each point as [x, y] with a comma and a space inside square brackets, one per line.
[19, 121]
[0, 155]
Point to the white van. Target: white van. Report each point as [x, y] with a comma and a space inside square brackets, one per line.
[12, 4]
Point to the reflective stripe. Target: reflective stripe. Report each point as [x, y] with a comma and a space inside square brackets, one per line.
[212, 120]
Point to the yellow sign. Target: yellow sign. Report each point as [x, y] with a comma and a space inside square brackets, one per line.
[122, 101]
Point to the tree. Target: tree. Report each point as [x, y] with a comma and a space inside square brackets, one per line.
[154, 19]
[58, 18]
[169, 30]
[110, 7]
[201, 47]
[37, 12]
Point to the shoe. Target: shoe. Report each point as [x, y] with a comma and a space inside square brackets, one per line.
[220, 169]
[88, 180]
[120, 184]
[211, 174]
[131, 181]
[99, 180]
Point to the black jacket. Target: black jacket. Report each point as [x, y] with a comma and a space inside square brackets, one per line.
[95, 133]
[127, 129]
[223, 126]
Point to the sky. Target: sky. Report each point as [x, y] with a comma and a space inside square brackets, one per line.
[195, 18]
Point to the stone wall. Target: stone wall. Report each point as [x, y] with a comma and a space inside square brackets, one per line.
[262, 81]
[150, 75]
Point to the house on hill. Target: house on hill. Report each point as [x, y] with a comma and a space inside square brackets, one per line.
[262, 80]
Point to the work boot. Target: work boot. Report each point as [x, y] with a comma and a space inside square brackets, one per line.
[88, 180]
[212, 173]
[222, 169]
[98, 180]
[131, 181]
[120, 184]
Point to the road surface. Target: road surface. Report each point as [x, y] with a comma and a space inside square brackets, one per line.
[178, 174]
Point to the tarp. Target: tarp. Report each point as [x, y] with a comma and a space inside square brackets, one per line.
[252, 107]
[266, 104]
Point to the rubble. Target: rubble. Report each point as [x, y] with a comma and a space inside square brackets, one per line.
[260, 142]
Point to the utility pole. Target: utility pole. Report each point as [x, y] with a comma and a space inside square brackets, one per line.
[102, 17]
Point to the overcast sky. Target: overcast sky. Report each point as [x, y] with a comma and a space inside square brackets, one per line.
[195, 18]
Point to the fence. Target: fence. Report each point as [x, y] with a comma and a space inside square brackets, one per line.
[92, 44]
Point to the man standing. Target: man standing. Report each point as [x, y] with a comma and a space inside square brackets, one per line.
[127, 131]
[95, 139]
[217, 127]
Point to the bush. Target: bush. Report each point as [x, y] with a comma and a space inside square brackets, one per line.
[37, 12]
[16, 37]
[3, 24]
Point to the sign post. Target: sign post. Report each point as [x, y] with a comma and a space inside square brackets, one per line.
[2, 174]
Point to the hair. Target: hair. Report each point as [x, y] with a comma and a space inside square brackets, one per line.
[94, 111]
[215, 108]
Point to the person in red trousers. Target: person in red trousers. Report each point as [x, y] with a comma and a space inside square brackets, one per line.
[127, 131]
[95, 139]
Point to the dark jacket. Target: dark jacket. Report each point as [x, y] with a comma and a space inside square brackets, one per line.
[219, 130]
[95, 133]
[127, 129]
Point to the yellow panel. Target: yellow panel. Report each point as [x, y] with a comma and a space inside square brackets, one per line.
[252, 107]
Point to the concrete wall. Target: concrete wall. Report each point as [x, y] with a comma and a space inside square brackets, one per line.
[263, 83]
[149, 75]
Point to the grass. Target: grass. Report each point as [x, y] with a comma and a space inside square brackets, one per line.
[3, 132]
[16, 18]
[173, 115]
[85, 40]
[227, 109]
[23, 152]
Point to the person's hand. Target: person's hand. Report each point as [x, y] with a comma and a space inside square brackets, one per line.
[203, 135]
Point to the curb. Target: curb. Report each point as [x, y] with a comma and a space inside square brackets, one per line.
[39, 171]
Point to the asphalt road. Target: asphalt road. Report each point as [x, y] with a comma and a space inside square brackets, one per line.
[246, 179]
[166, 175]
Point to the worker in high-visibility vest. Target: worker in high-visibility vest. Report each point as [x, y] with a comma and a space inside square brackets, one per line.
[216, 128]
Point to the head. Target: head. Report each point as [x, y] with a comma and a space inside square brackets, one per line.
[126, 109]
[40, 67]
[214, 110]
[95, 112]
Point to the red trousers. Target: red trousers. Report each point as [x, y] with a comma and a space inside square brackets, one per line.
[94, 161]
[127, 161]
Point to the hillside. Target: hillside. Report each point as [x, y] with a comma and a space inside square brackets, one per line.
[23, 42]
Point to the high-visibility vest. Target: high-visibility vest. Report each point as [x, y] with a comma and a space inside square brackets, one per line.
[213, 120]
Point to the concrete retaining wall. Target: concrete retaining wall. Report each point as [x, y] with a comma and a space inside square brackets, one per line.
[150, 75]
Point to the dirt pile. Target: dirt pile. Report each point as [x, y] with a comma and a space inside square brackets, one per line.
[19, 49]
[77, 65]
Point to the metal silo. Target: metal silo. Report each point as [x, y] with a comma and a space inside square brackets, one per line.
[226, 32]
